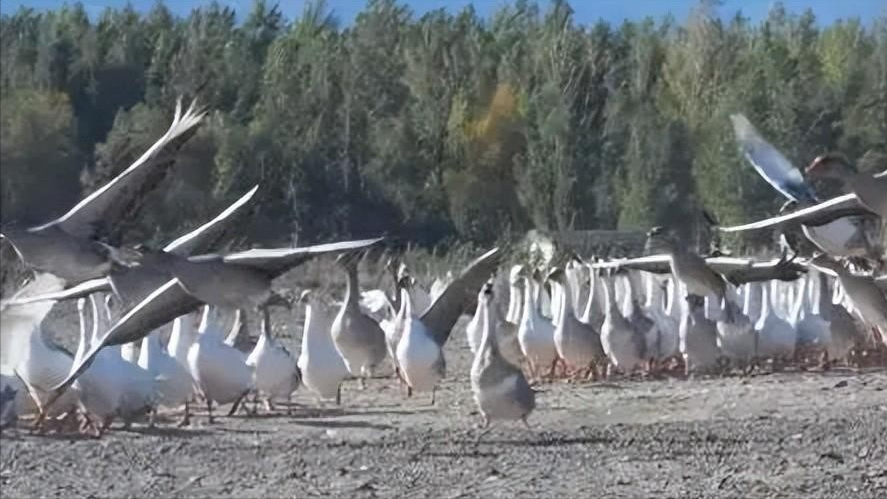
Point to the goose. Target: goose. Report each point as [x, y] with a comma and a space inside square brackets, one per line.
[621, 340]
[220, 371]
[173, 381]
[514, 295]
[578, 345]
[843, 334]
[867, 300]
[237, 327]
[688, 267]
[234, 281]
[536, 334]
[736, 336]
[132, 284]
[322, 367]
[776, 337]
[593, 311]
[138, 390]
[867, 197]
[358, 338]
[67, 246]
[500, 389]
[420, 350]
[812, 330]
[100, 389]
[637, 316]
[474, 329]
[662, 343]
[25, 354]
[698, 338]
[275, 374]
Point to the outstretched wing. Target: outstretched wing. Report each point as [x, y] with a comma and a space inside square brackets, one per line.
[200, 239]
[770, 163]
[125, 190]
[442, 314]
[816, 215]
[276, 261]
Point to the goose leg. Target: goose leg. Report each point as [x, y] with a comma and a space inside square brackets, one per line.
[209, 409]
[339, 394]
[237, 403]
[186, 419]
[433, 394]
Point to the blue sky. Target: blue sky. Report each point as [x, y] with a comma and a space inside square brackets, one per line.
[587, 11]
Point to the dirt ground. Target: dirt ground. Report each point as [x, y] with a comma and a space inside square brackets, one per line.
[791, 435]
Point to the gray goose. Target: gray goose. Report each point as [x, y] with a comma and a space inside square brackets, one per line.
[500, 389]
[237, 280]
[68, 246]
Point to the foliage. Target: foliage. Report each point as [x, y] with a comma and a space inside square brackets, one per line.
[436, 128]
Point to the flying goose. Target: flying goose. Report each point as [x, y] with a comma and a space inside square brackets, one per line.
[275, 374]
[358, 338]
[240, 279]
[220, 371]
[500, 389]
[867, 197]
[67, 246]
[420, 351]
[322, 367]
[688, 267]
[132, 284]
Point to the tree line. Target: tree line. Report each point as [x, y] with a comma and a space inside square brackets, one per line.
[440, 127]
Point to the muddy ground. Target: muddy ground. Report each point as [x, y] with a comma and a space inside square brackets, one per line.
[792, 434]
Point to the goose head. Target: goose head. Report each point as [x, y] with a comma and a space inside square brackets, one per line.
[830, 165]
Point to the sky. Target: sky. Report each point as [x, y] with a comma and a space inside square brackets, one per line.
[586, 11]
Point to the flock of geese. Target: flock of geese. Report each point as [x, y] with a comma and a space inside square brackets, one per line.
[576, 318]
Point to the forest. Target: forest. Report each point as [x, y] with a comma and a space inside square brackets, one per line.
[441, 128]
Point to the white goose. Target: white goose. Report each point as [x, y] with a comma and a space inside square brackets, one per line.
[275, 374]
[736, 336]
[138, 389]
[578, 345]
[513, 315]
[698, 338]
[100, 388]
[776, 337]
[173, 381]
[420, 351]
[663, 342]
[536, 334]
[26, 354]
[623, 343]
[220, 371]
[475, 328]
[323, 369]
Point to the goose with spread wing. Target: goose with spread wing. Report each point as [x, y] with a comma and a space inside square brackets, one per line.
[68, 246]
[867, 300]
[236, 280]
[420, 351]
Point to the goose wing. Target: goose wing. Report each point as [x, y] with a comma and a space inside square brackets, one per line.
[203, 237]
[657, 264]
[770, 163]
[127, 188]
[276, 261]
[163, 305]
[740, 271]
[816, 215]
[442, 314]
[17, 322]
[79, 291]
